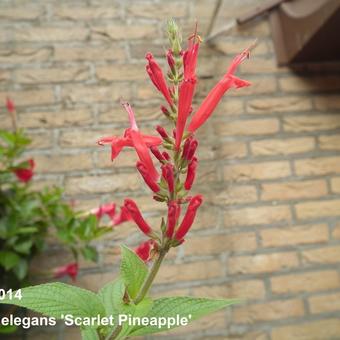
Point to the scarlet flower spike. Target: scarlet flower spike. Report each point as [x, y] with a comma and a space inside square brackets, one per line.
[156, 75]
[173, 209]
[136, 215]
[168, 175]
[147, 178]
[191, 174]
[214, 96]
[189, 217]
[105, 209]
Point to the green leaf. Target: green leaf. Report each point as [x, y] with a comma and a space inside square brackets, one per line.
[133, 271]
[23, 247]
[7, 329]
[90, 253]
[111, 295]
[21, 269]
[9, 259]
[182, 306]
[55, 299]
[89, 334]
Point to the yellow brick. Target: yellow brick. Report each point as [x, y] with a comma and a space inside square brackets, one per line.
[234, 195]
[324, 303]
[21, 55]
[327, 102]
[91, 53]
[306, 234]
[60, 163]
[87, 138]
[52, 75]
[247, 127]
[293, 190]
[269, 147]
[259, 215]
[247, 289]
[279, 104]
[262, 263]
[258, 65]
[321, 255]
[335, 184]
[189, 272]
[217, 244]
[55, 119]
[121, 72]
[48, 34]
[299, 84]
[274, 310]
[157, 10]
[86, 13]
[318, 209]
[90, 94]
[229, 107]
[20, 13]
[127, 158]
[336, 231]
[40, 140]
[231, 150]
[305, 282]
[101, 184]
[329, 142]
[32, 97]
[311, 123]
[311, 330]
[317, 166]
[256, 171]
[123, 31]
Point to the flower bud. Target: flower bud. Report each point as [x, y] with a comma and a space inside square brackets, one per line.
[166, 155]
[192, 149]
[173, 209]
[168, 175]
[157, 153]
[171, 60]
[189, 217]
[191, 174]
[136, 215]
[147, 178]
[162, 132]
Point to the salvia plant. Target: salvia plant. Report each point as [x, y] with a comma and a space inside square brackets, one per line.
[108, 314]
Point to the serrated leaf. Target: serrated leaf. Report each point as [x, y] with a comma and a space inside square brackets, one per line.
[133, 271]
[55, 299]
[182, 306]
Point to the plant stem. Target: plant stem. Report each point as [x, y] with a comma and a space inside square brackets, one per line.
[151, 276]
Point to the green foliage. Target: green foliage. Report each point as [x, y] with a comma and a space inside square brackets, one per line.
[133, 271]
[27, 216]
[56, 299]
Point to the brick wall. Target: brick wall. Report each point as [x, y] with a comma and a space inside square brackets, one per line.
[269, 231]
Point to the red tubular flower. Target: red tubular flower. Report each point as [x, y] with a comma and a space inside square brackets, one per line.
[144, 250]
[162, 132]
[186, 92]
[166, 155]
[192, 149]
[155, 151]
[70, 270]
[189, 217]
[157, 77]
[133, 138]
[173, 214]
[210, 102]
[25, 174]
[122, 217]
[147, 178]
[105, 209]
[168, 175]
[190, 56]
[191, 174]
[136, 215]
[10, 105]
[186, 147]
